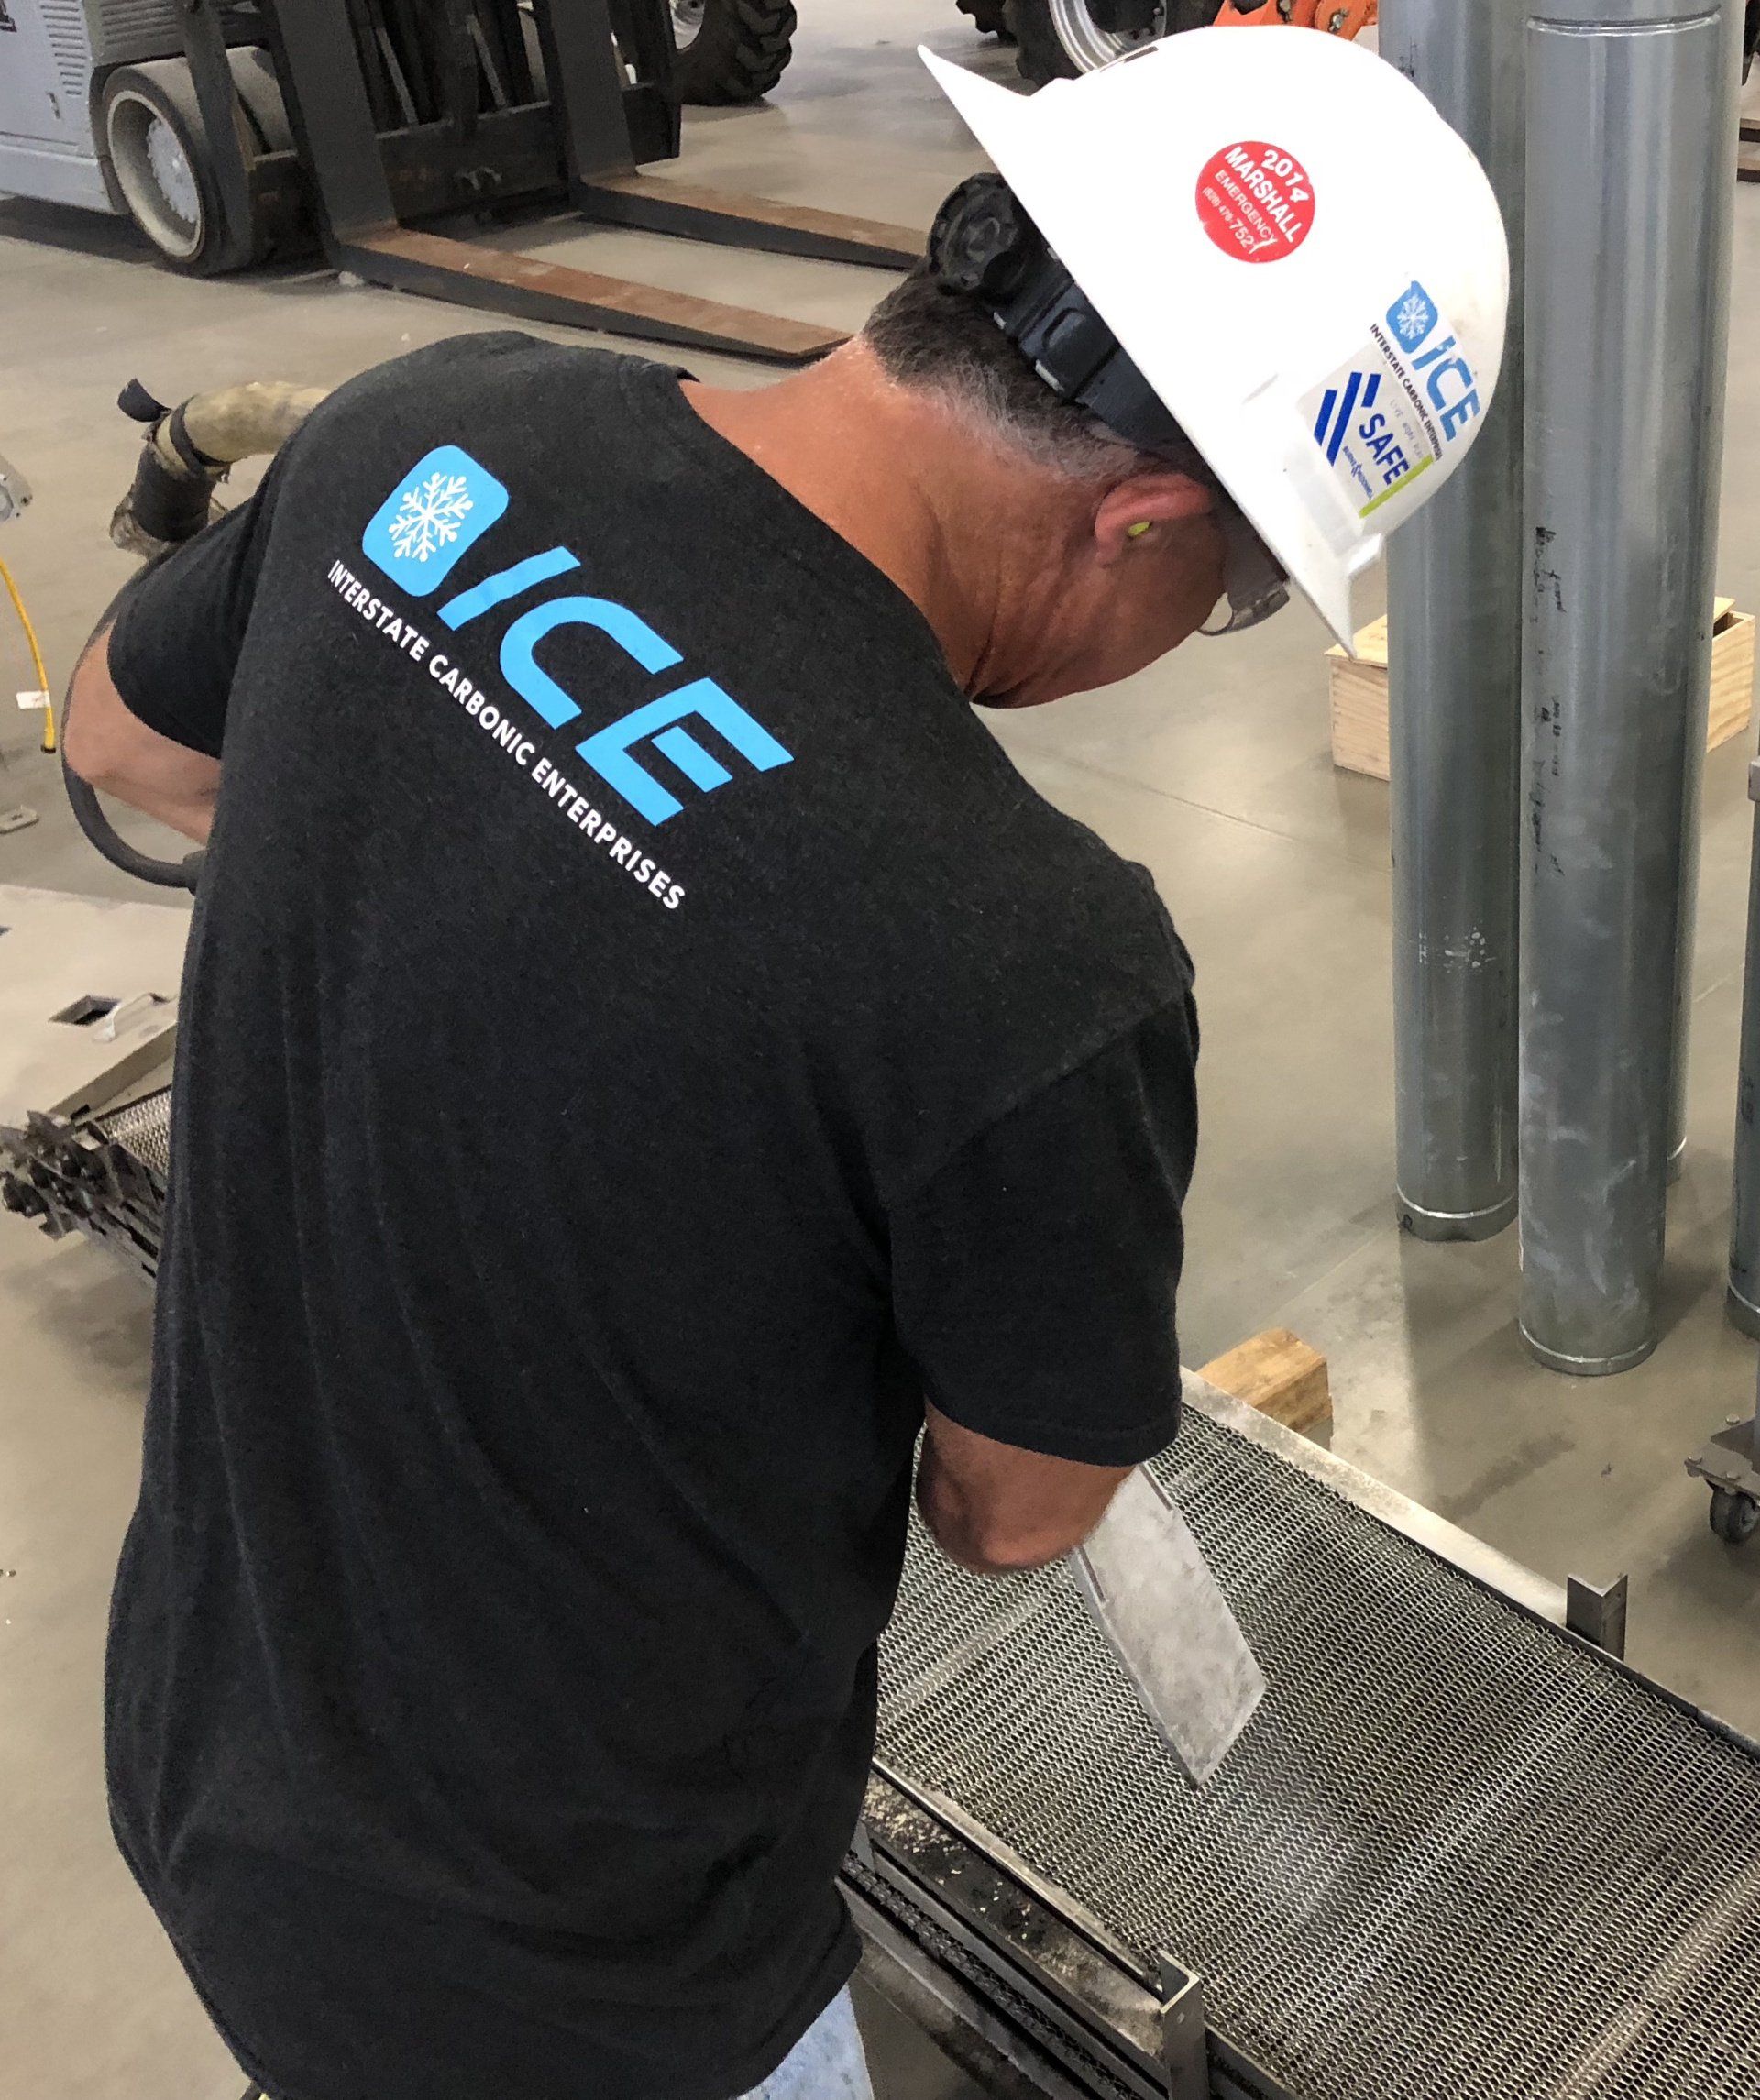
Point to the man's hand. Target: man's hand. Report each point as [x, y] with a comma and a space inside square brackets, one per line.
[996, 1509]
[106, 746]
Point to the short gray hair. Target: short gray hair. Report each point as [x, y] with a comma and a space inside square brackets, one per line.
[945, 344]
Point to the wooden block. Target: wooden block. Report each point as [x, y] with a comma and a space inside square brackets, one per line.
[1359, 703]
[1731, 675]
[1358, 690]
[1280, 1375]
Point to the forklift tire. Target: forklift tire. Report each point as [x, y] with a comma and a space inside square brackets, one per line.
[989, 18]
[151, 129]
[1734, 1517]
[731, 50]
[1059, 39]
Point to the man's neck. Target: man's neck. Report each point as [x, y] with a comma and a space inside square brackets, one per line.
[957, 527]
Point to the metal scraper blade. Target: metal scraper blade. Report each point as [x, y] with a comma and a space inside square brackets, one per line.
[1145, 1583]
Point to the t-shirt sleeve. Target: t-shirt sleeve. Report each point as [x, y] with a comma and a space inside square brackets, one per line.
[1034, 1277]
[179, 630]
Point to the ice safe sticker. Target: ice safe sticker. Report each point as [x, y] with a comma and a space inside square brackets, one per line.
[1255, 201]
[1392, 412]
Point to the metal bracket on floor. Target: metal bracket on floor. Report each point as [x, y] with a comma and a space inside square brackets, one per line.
[1597, 1614]
[611, 104]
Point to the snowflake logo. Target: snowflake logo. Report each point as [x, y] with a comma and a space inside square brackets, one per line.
[437, 512]
[430, 516]
[1412, 315]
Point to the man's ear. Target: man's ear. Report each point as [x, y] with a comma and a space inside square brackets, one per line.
[1162, 502]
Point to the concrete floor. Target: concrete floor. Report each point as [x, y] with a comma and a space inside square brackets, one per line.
[1212, 769]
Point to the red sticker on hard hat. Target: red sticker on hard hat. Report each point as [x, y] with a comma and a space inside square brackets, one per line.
[1255, 201]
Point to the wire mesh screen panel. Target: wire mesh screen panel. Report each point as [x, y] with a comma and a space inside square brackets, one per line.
[1454, 1856]
[144, 1129]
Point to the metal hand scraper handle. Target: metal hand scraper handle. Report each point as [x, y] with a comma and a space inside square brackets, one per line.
[1147, 1587]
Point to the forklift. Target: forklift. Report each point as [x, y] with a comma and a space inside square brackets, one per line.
[235, 133]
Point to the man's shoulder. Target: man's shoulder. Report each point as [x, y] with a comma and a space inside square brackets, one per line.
[1039, 942]
[1079, 911]
[1024, 948]
[500, 393]
[489, 359]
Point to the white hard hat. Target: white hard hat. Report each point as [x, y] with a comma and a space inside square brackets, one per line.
[1306, 263]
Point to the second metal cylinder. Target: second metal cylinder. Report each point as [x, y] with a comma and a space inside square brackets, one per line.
[1454, 716]
[1744, 1209]
[1630, 120]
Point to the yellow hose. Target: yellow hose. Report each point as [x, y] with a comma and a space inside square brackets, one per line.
[36, 657]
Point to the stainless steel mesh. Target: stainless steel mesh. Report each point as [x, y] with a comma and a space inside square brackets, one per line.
[143, 1129]
[1455, 1857]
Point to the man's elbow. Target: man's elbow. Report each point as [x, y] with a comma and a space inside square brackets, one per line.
[90, 744]
[84, 753]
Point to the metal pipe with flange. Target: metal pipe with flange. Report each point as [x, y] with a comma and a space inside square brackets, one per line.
[1629, 114]
[1453, 729]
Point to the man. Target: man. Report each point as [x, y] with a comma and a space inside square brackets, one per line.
[646, 1056]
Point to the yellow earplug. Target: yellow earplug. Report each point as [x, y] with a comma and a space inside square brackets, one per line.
[1137, 531]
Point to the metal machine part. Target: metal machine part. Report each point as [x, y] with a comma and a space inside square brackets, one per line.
[1460, 1852]
[98, 1162]
[15, 490]
[1627, 254]
[1455, 714]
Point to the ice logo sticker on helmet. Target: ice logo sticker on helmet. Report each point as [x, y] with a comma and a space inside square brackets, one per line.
[1411, 316]
[1394, 411]
[1255, 201]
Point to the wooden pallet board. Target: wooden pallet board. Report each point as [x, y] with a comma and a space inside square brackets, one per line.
[1280, 1375]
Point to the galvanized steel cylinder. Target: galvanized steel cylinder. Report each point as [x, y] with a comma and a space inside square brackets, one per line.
[1723, 229]
[1630, 122]
[1744, 1209]
[1453, 729]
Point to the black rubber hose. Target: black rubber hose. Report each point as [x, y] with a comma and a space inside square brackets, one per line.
[88, 812]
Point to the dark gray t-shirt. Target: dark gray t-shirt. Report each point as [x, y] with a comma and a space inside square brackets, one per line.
[640, 1035]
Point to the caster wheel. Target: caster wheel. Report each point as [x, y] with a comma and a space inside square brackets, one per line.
[1734, 1517]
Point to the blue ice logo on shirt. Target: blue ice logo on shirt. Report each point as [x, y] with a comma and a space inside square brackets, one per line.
[437, 514]
[1411, 316]
[432, 519]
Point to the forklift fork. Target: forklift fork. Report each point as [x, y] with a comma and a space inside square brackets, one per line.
[345, 72]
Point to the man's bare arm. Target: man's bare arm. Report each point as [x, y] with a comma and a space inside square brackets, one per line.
[994, 1508]
[120, 755]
